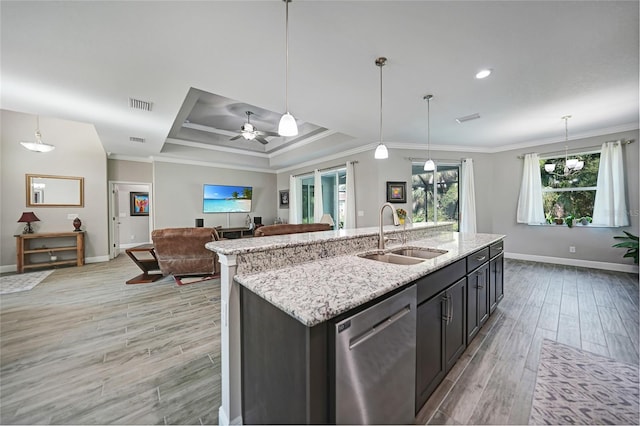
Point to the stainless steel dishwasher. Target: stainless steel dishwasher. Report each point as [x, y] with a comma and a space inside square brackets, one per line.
[375, 363]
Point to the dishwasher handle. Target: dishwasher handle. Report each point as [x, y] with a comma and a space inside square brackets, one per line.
[379, 327]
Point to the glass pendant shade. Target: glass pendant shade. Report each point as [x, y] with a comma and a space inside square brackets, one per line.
[287, 126]
[429, 165]
[549, 167]
[38, 145]
[381, 152]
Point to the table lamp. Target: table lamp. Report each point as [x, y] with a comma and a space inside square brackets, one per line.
[28, 217]
[326, 218]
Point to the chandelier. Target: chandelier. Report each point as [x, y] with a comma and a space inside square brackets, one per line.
[571, 165]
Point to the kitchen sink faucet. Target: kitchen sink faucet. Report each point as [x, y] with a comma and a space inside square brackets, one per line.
[396, 222]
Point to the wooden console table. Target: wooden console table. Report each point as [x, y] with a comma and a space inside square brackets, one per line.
[24, 247]
[146, 264]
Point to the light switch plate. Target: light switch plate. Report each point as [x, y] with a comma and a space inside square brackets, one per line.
[360, 213]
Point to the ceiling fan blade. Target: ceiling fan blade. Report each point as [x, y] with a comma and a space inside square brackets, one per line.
[235, 137]
[263, 133]
[262, 140]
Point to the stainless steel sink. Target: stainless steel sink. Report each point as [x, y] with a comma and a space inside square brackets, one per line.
[422, 253]
[392, 258]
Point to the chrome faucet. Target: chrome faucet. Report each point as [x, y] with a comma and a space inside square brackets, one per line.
[404, 230]
[396, 222]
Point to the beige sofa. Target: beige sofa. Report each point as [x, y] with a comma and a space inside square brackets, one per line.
[181, 251]
[290, 229]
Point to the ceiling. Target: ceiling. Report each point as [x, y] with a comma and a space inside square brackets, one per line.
[202, 64]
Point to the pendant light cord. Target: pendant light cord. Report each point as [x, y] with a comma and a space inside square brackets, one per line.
[286, 72]
[429, 127]
[381, 65]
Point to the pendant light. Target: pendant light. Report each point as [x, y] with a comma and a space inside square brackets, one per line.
[571, 165]
[287, 126]
[38, 145]
[381, 150]
[429, 165]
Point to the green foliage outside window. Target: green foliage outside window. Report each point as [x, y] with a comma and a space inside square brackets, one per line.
[446, 183]
[572, 195]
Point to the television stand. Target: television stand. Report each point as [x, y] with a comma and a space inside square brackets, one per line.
[233, 233]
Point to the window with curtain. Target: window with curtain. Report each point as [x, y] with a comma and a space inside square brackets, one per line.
[570, 193]
[333, 196]
[436, 193]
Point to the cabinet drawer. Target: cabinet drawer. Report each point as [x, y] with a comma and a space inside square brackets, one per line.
[478, 258]
[496, 248]
[437, 281]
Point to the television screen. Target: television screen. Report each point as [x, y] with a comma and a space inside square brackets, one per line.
[226, 199]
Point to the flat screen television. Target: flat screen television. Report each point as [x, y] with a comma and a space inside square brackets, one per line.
[226, 199]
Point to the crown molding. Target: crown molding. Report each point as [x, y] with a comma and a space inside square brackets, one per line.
[201, 145]
[210, 164]
[353, 151]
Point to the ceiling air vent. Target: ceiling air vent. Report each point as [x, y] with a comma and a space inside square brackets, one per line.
[461, 120]
[139, 104]
[139, 140]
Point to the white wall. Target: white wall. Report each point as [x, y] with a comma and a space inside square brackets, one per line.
[593, 244]
[78, 153]
[177, 195]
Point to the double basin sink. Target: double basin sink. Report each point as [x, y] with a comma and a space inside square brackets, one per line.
[404, 255]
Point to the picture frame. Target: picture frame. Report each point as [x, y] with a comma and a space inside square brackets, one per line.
[139, 203]
[284, 199]
[396, 192]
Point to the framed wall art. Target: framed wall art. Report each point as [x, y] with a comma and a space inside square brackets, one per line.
[284, 199]
[139, 203]
[396, 192]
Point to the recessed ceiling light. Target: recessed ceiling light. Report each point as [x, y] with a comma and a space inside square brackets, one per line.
[483, 73]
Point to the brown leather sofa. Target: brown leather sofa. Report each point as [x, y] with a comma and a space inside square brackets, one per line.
[282, 229]
[181, 251]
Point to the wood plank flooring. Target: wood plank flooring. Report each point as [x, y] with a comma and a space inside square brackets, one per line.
[84, 348]
[494, 380]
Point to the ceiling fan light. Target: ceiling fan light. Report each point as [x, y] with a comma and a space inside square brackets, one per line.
[249, 135]
[381, 152]
[549, 167]
[429, 165]
[287, 126]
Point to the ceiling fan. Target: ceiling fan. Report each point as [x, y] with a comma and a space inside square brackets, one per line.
[249, 132]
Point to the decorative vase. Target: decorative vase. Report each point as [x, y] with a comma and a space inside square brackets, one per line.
[401, 219]
[77, 223]
[558, 221]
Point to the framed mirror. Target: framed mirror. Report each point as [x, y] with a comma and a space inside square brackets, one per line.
[54, 191]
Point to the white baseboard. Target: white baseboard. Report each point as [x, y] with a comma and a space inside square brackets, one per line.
[129, 245]
[223, 419]
[620, 267]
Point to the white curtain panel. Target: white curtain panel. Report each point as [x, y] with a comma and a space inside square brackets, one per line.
[610, 207]
[318, 208]
[350, 204]
[467, 197]
[530, 208]
[294, 207]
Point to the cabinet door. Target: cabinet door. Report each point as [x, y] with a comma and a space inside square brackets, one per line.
[473, 325]
[430, 364]
[496, 282]
[482, 282]
[455, 336]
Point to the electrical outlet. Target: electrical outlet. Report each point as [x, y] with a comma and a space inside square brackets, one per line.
[360, 213]
[133, 237]
[572, 249]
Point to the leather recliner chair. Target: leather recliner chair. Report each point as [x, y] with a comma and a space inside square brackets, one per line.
[181, 251]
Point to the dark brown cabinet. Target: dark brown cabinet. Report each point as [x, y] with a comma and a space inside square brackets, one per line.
[496, 281]
[477, 300]
[440, 338]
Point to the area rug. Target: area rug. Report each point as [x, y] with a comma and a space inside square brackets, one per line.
[192, 279]
[578, 387]
[22, 282]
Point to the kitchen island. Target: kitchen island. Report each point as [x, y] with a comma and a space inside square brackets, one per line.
[309, 281]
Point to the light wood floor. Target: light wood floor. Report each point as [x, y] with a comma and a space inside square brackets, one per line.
[84, 348]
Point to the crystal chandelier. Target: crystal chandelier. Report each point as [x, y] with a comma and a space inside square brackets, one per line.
[571, 165]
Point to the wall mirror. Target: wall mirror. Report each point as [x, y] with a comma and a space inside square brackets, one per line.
[54, 191]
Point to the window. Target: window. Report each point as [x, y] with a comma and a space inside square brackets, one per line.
[566, 192]
[333, 196]
[438, 188]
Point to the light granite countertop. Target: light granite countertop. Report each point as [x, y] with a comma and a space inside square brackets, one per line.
[317, 291]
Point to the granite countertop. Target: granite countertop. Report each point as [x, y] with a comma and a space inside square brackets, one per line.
[249, 245]
[317, 291]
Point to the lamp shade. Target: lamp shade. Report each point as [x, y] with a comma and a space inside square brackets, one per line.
[28, 217]
[381, 152]
[429, 165]
[326, 218]
[287, 126]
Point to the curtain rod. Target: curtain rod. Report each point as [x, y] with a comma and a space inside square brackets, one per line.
[623, 141]
[338, 166]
